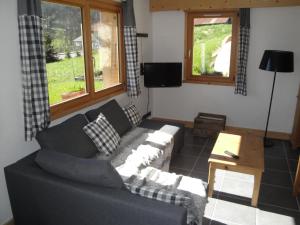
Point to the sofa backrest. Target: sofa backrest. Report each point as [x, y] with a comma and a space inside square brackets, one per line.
[114, 114]
[68, 137]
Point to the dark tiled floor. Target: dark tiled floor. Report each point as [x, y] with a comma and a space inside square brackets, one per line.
[232, 196]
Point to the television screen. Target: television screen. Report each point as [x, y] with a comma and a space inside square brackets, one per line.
[162, 74]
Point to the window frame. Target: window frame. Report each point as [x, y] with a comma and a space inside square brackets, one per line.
[91, 96]
[188, 53]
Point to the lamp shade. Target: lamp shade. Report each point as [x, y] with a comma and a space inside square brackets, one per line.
[278, 61]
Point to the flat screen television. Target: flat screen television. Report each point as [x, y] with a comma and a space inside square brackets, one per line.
[162, 74]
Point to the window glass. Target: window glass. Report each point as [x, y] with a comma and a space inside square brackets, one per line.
[63, 38]
[105, 49]
[212, 46]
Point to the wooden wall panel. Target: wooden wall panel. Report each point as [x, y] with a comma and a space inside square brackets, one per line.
[167, 5]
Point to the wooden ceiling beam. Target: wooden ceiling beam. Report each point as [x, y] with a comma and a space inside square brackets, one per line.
[171, 5]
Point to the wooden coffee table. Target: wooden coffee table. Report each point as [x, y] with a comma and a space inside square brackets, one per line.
[250, 150]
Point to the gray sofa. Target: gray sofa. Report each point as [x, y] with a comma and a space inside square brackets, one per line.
[41, 198]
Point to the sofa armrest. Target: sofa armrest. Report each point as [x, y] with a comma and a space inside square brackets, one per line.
[178, 133]
[38, 197]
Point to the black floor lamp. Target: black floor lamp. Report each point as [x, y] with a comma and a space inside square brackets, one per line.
[275, 61]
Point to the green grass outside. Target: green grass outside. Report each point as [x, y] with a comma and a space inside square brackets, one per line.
[61, 77]
[212, 36]
[58, 88]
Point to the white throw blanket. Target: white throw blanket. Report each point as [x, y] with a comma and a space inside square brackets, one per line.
[136, 167]
[159, 137]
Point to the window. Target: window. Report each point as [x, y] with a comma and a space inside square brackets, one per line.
[211, 47]
[84, 57]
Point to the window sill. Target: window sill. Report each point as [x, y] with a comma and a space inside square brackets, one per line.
[220, 83]
[65, 108]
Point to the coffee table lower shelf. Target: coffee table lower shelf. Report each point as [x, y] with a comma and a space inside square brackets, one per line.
[255, 172]
[250, 150]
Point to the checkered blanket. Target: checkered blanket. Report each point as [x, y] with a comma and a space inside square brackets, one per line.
[141, 178]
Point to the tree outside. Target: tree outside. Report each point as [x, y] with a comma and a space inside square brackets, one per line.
[62, 26]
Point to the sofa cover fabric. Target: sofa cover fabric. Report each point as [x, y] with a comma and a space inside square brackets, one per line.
[50, 200]
[114, 114]
[90, 171]
[132, 114]
[68, 137]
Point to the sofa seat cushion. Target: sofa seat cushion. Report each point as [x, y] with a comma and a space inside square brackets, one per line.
[90, 171]
[114, 114]
[68, 137]
[103, 135]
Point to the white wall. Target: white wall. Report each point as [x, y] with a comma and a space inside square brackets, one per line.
[271, 28]
[12, 144]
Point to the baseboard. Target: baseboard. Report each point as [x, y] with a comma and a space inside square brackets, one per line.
[256, 132]
[10, 222]
[188, 124]
[260, 133]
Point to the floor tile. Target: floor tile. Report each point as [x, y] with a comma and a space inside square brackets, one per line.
[278, 178]
[277, 152]
[210, 207]
[200, 175]
[276, 143]
[213, 222]
[235, 199]
[276, 163]
[293, 154]
[229, 212]
[211, 142]
[237, 187]
[194, 140]
[206, 151]
[205, 221]
[281, 197]
[202, 165]
[231, 202]
[179, 171]
[267, 215]
[293, 165]
[293, 175]
[191, 150]
[240, 176]
[183, 162]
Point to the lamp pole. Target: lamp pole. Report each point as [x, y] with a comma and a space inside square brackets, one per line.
[268, 143]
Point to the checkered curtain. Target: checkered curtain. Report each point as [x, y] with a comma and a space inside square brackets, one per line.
[33, 64]
[241, 79]
[131, 50]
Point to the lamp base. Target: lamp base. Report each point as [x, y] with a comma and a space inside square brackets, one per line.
[267, 142]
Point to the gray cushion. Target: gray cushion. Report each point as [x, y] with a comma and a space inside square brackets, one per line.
[68, 137]
[90, 171]
[114, 114]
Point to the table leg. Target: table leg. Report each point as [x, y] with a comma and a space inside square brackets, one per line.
[257, 179]
[211, 180]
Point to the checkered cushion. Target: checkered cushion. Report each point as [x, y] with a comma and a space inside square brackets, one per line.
[160, 195]
[103, 135]
[132, 114]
